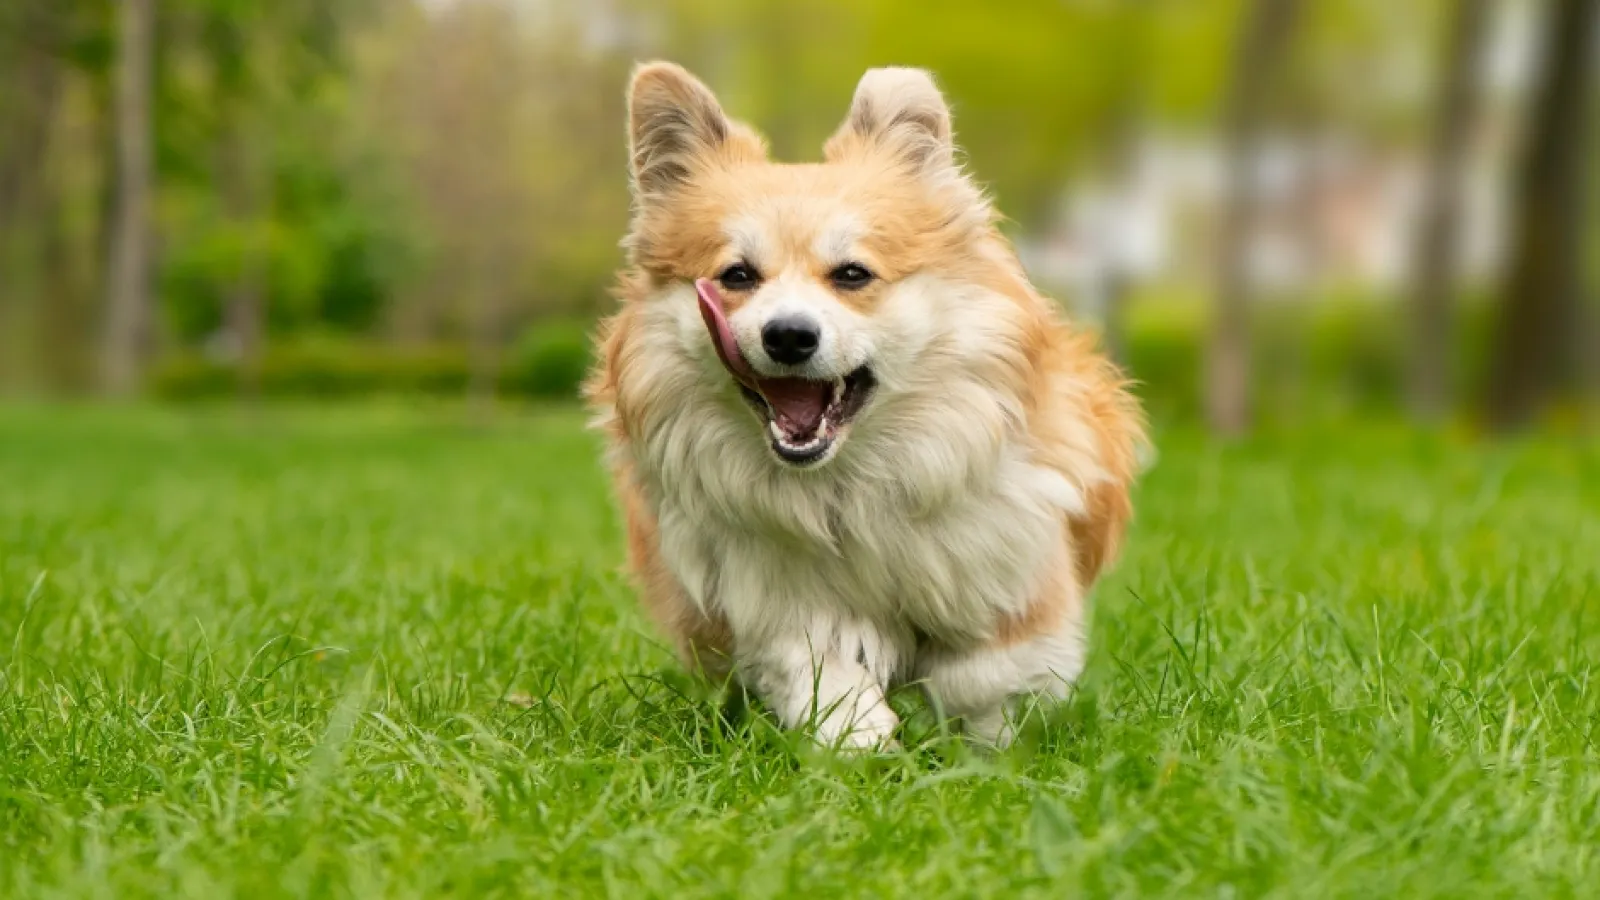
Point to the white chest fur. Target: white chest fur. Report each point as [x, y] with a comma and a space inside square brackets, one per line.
[929, 542]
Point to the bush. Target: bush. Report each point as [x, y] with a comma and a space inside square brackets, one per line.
[321, 369]
[1339, 353]
[550, 361]
[1165, 343]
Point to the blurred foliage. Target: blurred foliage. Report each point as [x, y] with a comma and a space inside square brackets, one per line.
[418, 185]
[428, 170]
[319, 367]
[1340, 356]
[1343, 354]
[549, 362]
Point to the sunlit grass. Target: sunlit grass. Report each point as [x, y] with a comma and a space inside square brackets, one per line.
[365, 652]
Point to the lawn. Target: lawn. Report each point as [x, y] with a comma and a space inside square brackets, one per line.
[370, 652]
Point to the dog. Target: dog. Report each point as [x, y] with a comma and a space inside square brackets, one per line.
[853, 446]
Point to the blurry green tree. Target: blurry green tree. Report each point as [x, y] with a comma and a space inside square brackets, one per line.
[1540, 334]
[1439, 226]
[441, 175]
[451, 171]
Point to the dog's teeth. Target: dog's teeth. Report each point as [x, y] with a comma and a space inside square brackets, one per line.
[817, 438]
[838, 392]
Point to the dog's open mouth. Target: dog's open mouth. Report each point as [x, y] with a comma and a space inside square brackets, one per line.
[805, 417]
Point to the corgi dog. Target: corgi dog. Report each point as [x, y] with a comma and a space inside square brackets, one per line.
[854, 448]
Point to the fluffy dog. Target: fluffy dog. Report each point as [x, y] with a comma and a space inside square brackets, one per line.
[853, 445]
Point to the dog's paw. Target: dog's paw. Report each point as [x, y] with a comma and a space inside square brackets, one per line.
[992, 728]
[872, 731]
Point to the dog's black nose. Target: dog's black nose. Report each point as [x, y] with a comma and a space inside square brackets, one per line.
[791, 340]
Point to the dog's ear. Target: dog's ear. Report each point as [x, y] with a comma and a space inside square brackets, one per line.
[675, 128]
[900, 110]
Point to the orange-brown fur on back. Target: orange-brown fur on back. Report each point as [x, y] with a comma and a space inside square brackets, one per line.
[959, 519]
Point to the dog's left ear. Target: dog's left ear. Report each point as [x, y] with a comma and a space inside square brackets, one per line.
[674, 126]
[902, 111]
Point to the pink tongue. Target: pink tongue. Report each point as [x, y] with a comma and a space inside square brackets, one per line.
[799, 404]
[721, 335]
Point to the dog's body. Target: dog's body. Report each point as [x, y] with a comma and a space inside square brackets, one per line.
[953, 539]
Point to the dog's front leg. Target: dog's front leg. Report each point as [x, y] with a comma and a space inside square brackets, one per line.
[983, 685]
[829, 675]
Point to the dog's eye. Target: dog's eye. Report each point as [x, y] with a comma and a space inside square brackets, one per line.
[738, 277]
[850, 276]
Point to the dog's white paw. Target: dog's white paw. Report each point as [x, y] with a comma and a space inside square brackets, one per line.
[872, 730]
[993, 727]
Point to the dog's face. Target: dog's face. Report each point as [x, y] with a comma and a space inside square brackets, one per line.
[814, 283]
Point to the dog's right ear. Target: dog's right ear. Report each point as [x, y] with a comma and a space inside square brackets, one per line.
[675, 127]
[903, 111]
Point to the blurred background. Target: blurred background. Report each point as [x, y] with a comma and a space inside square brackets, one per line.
[1273, 209]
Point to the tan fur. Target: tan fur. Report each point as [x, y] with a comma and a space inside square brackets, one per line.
[1028, 395]
[702, 642]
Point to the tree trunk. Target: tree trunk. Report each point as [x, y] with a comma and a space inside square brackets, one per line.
[1263, 40]
[246, 190]
[29, 101]
[1539, 305]
[128, 276]
[1586, 336]
[1438, 232]
[65, 291]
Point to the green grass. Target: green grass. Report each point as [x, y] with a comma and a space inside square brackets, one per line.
[366, 652]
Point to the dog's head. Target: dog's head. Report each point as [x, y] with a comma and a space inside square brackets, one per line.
[822, 288]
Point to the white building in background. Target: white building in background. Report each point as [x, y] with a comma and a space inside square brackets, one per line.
[1333, 210]
[1329, 212]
